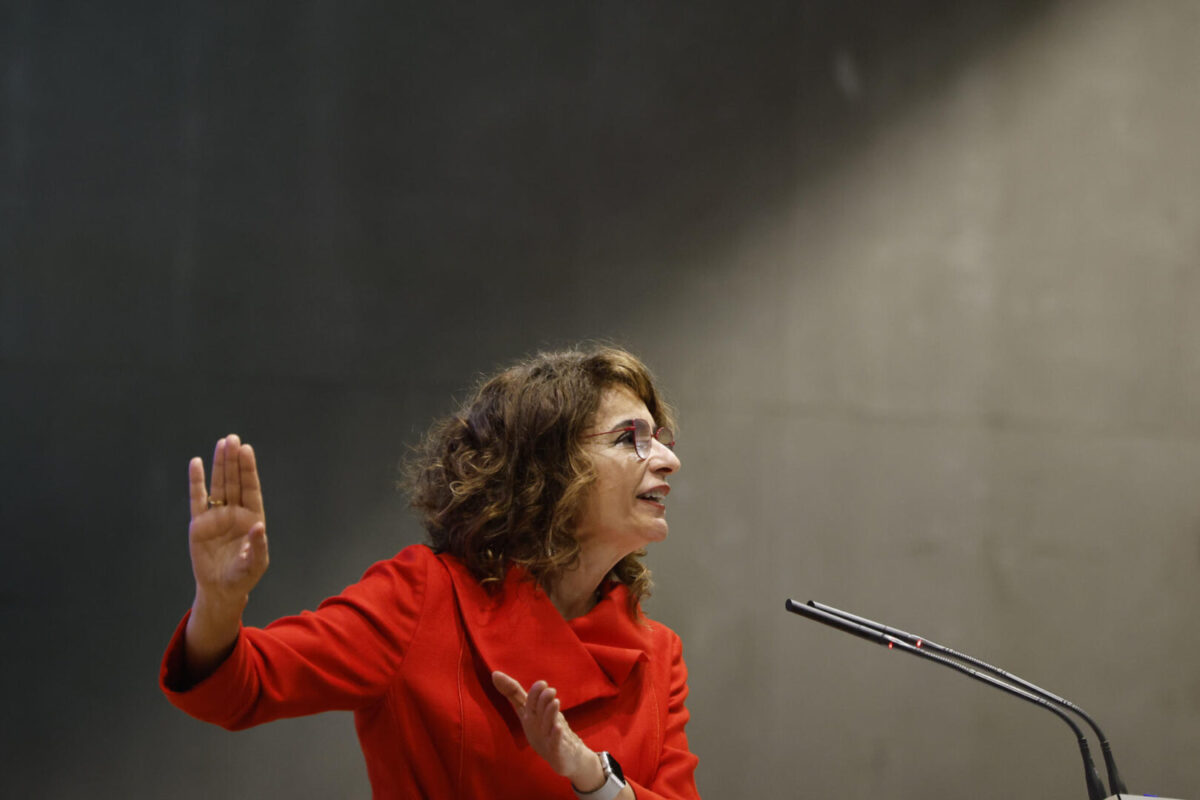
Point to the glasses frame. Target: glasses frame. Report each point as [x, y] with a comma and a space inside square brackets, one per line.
[641, 441]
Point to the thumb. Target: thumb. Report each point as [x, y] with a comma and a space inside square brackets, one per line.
[255, 550]
[510, 688]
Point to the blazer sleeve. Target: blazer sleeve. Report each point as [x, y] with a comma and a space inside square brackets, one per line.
[675, 778]
[340, 657]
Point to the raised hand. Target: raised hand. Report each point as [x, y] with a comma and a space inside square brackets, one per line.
[228, 532]
[549, 734]
[228, 542]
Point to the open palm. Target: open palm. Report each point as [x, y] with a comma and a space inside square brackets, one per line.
[228, 531]
[546, 729]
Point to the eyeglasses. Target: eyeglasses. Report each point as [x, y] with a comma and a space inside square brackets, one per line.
[642, 436]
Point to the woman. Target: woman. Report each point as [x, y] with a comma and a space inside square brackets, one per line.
[507, 659]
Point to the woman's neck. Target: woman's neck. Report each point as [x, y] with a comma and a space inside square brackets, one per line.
[575, 592]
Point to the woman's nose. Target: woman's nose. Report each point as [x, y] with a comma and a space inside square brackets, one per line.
[663, 458]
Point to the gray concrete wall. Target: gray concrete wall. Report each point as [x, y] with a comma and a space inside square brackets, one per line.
[922, 281]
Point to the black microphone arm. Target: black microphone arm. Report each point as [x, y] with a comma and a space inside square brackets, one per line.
[1115, 784]
[1095, 785]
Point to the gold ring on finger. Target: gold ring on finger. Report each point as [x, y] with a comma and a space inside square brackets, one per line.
[213, 502]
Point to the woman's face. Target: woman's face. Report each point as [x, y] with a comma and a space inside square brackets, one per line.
[626, 506]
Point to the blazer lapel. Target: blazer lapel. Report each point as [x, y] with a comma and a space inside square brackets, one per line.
[614, 641]
[520, 632]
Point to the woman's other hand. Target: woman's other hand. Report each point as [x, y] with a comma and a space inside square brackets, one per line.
[228, 542]
[549, 734]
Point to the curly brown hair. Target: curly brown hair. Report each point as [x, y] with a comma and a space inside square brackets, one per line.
[502, 481]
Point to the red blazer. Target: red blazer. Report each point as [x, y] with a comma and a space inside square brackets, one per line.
[410, 650]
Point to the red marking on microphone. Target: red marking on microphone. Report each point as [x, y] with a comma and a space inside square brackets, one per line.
[919, 643]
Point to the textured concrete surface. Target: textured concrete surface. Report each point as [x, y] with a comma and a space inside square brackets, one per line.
[922, 283]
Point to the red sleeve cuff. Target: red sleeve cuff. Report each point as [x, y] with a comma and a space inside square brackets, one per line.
[207, 699]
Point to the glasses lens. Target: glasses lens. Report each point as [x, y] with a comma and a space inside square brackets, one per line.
[642, 436]
[666, 436]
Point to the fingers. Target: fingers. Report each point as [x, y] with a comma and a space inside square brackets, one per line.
[197, 494]
[546, 712]
[510, 688]
[218, 471]
[535, 704]
[250, 487]
[539, 706]
[233, 476]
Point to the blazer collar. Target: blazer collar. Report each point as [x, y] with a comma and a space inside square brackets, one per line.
[520, 632]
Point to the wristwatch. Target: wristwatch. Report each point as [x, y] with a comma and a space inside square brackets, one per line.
[614, 780]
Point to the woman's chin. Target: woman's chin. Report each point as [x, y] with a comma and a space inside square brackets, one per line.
[657, 533]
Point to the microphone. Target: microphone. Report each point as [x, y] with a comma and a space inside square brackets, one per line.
[1115, 784]
[1095, 785]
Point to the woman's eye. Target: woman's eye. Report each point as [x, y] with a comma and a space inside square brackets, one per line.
[625, 438]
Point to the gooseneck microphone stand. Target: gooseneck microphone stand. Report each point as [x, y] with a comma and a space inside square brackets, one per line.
[919, 646]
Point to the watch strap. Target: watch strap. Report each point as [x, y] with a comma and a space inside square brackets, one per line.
[614, 780]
